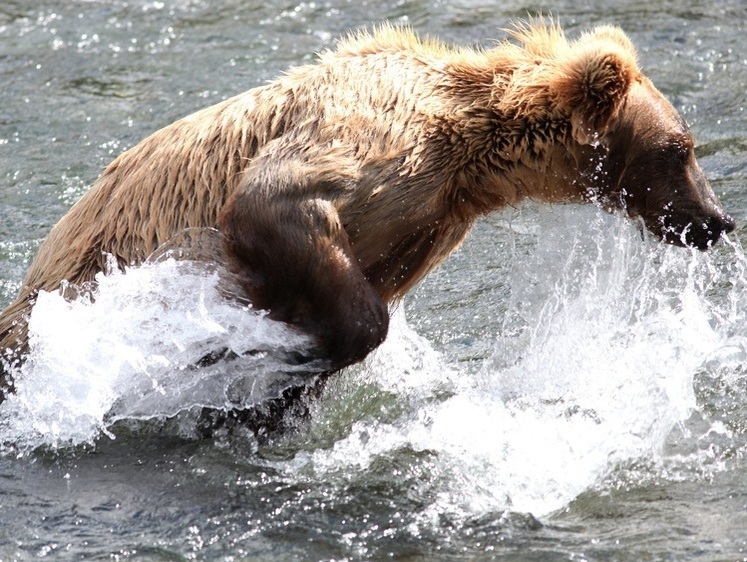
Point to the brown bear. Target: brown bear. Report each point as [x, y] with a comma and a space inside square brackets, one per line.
[339, 185]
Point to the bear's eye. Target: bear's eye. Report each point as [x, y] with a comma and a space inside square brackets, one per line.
[679, 152]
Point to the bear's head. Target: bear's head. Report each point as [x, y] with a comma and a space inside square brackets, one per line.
[633, 151]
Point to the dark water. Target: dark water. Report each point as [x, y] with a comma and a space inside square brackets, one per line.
[560, 390]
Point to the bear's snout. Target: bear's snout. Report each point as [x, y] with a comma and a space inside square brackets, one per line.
[700, 233]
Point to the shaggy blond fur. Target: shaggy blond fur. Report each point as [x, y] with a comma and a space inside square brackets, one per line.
[362, 172]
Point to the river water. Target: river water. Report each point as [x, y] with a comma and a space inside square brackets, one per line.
[561, 389]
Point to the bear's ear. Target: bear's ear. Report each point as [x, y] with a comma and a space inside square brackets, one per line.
[592, 80]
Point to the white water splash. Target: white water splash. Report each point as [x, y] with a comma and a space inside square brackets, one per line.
[593, 366]
[131, 354]
[612, 331]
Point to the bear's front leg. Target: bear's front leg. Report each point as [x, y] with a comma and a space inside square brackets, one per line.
[293, 259]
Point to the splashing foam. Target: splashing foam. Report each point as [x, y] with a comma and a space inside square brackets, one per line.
[611, 331]
[592, 366]
[131, 353]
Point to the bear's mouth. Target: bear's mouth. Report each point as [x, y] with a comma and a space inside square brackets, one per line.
[701, 233]
[678, 229]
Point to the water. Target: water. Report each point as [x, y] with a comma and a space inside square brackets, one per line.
[563, 388]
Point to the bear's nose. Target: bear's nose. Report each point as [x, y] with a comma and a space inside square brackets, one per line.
[728, 224]
[703, 234]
